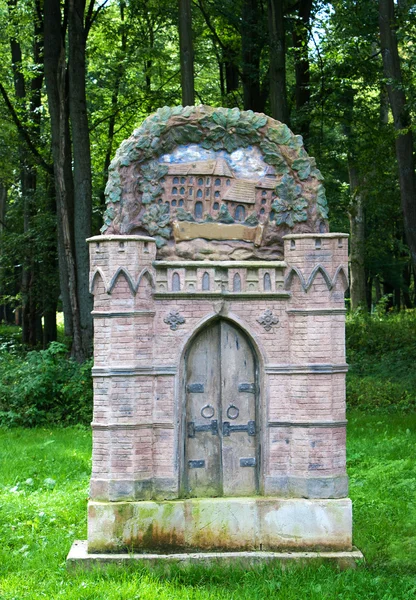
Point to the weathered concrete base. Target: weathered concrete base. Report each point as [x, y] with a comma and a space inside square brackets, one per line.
[214, 524]
[79, 557]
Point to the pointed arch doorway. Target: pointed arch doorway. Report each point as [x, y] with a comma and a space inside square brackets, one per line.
[221, 445]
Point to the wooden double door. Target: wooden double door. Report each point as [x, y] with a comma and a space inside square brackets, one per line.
[221, 420]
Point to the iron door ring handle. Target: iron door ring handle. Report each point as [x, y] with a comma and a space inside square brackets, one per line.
[233, 412]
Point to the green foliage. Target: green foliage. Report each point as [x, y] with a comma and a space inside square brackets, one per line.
[224, 215]
[43, 386]
[156, 222]
[184, 215]
[381, 351]
[252, 219]
[289, 207]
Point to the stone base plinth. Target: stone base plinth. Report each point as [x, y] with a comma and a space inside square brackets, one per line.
[220, 524]
[79, 557]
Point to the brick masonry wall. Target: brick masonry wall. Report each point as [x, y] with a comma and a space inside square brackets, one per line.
[139, 365]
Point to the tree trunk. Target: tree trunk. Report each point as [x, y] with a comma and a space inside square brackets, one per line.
[27, 188]
[251, 50]
[402, 121]
[186, 53]
[277, 72]
[82, 165]
[300, 43]
[55, 77]
[114, 101]
[358, 281]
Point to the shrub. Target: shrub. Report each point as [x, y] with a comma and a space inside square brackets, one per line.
[44, 386]
[381, 351]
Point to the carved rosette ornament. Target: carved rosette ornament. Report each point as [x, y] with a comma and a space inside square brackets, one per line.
[268, 319]
[174, 319]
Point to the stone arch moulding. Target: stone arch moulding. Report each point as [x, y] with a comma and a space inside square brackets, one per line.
[234, 320]
[133, 286]
[306, 284]
[93, 277]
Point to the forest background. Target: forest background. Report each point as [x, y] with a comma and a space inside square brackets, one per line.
[76, 78]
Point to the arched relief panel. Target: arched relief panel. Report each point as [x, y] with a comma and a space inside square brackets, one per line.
[340, 286]
[176, 279]
[124, 274]
[267, 282]
[122, 291]
[99, 289]
[176, 282]
[341, 278]
[95, 277]
[237, 282]
[206, 282]
[144, 294]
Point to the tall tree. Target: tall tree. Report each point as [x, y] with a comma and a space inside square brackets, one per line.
[300, 37]
[56, 86]
[252, 43]
[186, 53]
[277, 71]
[402, 120]
[78, 24]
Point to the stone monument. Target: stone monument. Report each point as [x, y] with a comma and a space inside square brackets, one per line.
[219, 353]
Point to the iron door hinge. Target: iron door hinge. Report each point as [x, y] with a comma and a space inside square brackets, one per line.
[227, 428]
[193, 429]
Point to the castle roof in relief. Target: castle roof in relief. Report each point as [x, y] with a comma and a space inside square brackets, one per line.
[268, 187]
[217, 167]
[241, 191]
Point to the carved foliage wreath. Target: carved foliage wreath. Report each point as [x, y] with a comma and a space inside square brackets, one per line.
[214, 129]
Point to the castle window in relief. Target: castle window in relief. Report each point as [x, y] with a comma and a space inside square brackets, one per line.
[217, 194]
[216, 206]
[208, 181]
[191, 191]
[176, 180]
[180, 202]
[173, 203]
[199, 194]
[240, 213]
[267, 283]
[228, 182]
[174, 190]
[200, 181]
[176, 283]
[205, 282]
[168, 205]
[263, 200]
[237, 283]
[198, 210]
[183, 179]
[217, 182]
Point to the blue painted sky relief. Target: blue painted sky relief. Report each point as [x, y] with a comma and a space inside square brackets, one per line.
[247, 162]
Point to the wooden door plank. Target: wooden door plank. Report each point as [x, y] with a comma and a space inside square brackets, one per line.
[202, 447]
[239, 449]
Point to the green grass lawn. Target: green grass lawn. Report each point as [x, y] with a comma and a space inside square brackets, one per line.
[44, 477]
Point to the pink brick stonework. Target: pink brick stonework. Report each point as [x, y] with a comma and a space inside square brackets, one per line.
[139, 362]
